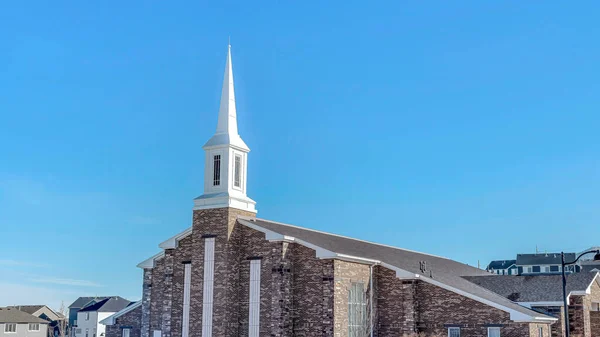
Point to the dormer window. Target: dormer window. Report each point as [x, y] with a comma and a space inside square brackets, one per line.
[217, 170]
[237, 171]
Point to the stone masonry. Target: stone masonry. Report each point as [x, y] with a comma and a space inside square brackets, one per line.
[301, 295]
[131, 320]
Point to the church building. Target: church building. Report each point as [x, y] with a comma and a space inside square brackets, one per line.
[232, 273]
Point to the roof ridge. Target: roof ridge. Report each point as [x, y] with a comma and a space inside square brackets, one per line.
[351, 238]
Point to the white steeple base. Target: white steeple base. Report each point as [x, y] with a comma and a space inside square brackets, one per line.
[219, 200]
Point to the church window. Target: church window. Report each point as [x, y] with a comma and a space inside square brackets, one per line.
[217, 170]
[453, 332]
[237, 181]
[209, 280]
[126, 332]
[254, 300]
[357, 311]
[187, 275]
[493, 332]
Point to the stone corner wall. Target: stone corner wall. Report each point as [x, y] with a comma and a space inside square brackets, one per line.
[131, 320]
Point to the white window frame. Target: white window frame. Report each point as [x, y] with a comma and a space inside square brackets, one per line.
[254, 299]
[7, 330]
[541, 331]
[493, 328]
[36, 325]
[217, 178]
[454, 328]
[157, 333]
[187, 284]
[208, 287]
[239, 174]
[124, 334]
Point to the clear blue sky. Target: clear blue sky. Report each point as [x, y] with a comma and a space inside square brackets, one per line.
[468, 130]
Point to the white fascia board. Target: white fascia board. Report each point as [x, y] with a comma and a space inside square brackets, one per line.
[323, 253]
[149, 262]
[541, 304]
[110, 320]
[173, 241]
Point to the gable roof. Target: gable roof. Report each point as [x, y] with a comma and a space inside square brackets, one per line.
[83, 301]
[534, 288]
[110, 320]
[501, 264]
[440, 271]
[12, 315]
[543, 258]
[109, 304]
[38, 310]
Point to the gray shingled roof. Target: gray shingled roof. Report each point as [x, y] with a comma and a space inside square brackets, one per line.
[82, 301]
[543, 258]
[443, 270]
[12, 315]
[111, 304]
[501, 264]
[30, 309]
[533, 288]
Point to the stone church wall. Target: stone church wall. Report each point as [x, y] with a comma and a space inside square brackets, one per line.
[131, 320]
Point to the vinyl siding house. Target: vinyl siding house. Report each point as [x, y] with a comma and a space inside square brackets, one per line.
[544, 263]
[503, 267]
[44, 312]
[89, 318]
[16, 323]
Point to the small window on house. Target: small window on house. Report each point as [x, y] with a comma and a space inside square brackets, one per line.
[237, 171]
[553, 268]
[536, 269]
[10, 327]
[453, 332]
[357, 311]
[217, 170]
[541, 331]
[493, 332]
[595, 306]
[87, 316]
[87, 332]
[34, 327]
[126, 332]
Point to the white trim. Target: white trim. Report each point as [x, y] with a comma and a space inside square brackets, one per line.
[254, 299]
[541, 304]
[110, 320]
[187, 284]
[173, 242]
[453, 327]
[208, 285]
[494, 327]
[323, 253]
[149, 262]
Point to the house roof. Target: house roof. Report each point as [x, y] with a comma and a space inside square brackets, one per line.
[534, 288]
[110, 320]
[501, 264]
[12, 315]
[543, 258]
[440, 271]
[110, 304]
[38, 310]
[83, 301]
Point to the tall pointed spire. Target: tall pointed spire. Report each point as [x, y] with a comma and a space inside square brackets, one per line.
[226, 157]
[227, 128]
[227, 114]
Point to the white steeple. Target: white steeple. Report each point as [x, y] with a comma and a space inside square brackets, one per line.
[226, 156]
